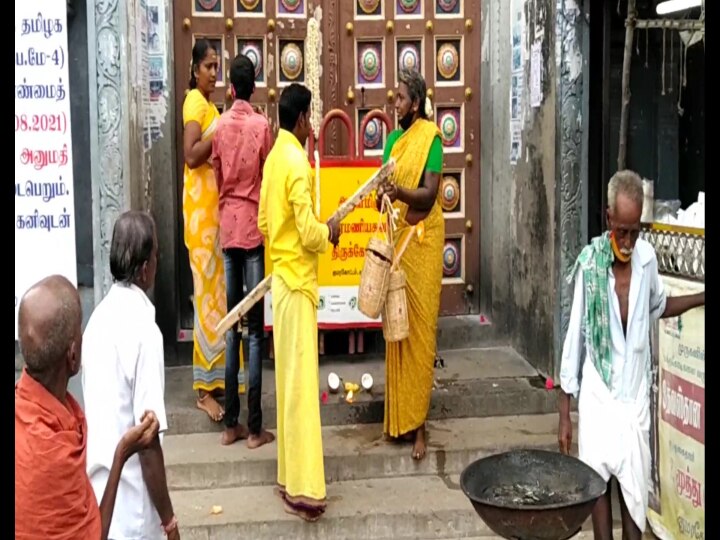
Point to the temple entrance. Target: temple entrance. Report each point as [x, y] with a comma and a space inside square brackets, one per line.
[364, 43]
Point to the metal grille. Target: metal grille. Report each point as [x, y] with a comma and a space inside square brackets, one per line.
[679, 253]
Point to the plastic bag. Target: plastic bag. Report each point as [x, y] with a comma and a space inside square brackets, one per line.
[666, 211]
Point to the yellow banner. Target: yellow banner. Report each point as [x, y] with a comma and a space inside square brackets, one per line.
[677, 490]
[340, 267]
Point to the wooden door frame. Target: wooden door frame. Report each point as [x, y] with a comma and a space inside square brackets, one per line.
[333, 28]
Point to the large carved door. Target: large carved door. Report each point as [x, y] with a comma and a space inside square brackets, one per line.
[439, 38]
[271, 33]
[363, 43]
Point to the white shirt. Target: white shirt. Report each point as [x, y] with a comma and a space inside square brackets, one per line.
[123, 375]
[630, 355]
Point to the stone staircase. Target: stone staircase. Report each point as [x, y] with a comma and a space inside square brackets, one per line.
[493, 381]
[485, 401]
[375, 490]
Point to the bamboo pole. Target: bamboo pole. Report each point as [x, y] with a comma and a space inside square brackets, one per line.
[254, 296]
[627, 60]
[244, 306]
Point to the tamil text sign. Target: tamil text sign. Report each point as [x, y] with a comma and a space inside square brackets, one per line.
[339, 268]
[44, 209]
[677, 490]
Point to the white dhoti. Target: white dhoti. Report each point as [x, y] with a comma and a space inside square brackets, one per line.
[614, 439]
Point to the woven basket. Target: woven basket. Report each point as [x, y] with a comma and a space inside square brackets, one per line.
[374, 279]
[396, 325]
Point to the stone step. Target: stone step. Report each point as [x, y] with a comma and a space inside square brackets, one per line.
[199, 461]
[485, 382]
[427, 507]
[466, 331]
[453, 332]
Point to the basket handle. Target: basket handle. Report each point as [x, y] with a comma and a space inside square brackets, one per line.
[386, 212]
[403, 247]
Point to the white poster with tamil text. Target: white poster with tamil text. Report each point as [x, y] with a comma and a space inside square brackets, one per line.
[44, 207]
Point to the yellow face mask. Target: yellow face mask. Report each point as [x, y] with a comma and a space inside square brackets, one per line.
[616, 250]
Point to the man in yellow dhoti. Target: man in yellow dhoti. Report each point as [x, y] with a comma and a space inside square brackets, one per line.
[294, 238]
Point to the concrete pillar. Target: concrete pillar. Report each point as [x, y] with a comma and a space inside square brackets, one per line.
[116, 152]
[572, 113]
[534, 212]
[130, 171]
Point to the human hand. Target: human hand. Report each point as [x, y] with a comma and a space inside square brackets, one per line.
[391, 190]
[334, 231]
[565, 434]
[174, 534]
[141, 436]
[378, 197]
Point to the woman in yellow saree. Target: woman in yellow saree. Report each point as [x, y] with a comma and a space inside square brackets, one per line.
[409, 364]
[201, 222]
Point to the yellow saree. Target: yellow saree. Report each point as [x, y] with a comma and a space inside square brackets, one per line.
[201, 224]
[409, 364]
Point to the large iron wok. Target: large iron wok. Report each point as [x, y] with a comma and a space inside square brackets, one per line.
[532, 494]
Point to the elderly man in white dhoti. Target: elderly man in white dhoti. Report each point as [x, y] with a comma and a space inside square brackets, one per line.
[606, 356]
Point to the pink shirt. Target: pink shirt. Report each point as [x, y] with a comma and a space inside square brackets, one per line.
[240, 146]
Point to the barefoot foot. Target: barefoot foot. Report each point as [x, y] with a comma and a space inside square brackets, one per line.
[306, 515]
[420, 446]
[230, 435]
[206, 402]
[256, 441]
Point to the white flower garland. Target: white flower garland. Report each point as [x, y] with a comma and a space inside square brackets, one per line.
[313, 50]
[428, 108]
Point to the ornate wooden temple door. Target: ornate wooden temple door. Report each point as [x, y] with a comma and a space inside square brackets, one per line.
[441, 38]
[364, 42]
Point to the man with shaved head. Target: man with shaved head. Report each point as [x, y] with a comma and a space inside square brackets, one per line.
[606, 356]
[124, 374]
[53, 495]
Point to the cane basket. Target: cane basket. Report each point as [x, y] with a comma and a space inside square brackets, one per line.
[374, 279]
[396, 325]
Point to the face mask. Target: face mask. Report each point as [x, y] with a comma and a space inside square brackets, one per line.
[406, 121]
[622, 255]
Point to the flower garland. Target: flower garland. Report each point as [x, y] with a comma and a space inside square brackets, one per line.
[313, 50]
[429, 108]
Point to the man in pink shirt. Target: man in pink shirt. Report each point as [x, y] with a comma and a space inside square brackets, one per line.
[240, 146]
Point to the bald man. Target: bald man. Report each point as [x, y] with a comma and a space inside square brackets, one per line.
[53, 495]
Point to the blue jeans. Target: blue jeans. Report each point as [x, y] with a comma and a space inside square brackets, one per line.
[244, 266]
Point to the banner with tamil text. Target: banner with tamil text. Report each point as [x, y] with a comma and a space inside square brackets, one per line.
[339, 268]
[44, 206]
[677, 487]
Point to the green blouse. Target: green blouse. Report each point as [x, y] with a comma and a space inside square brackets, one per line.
[434, 161]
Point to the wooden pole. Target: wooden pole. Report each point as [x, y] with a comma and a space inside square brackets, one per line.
[254, 296]
[627, 61]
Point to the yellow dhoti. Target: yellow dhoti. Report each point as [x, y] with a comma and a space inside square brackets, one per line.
[301, 472]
